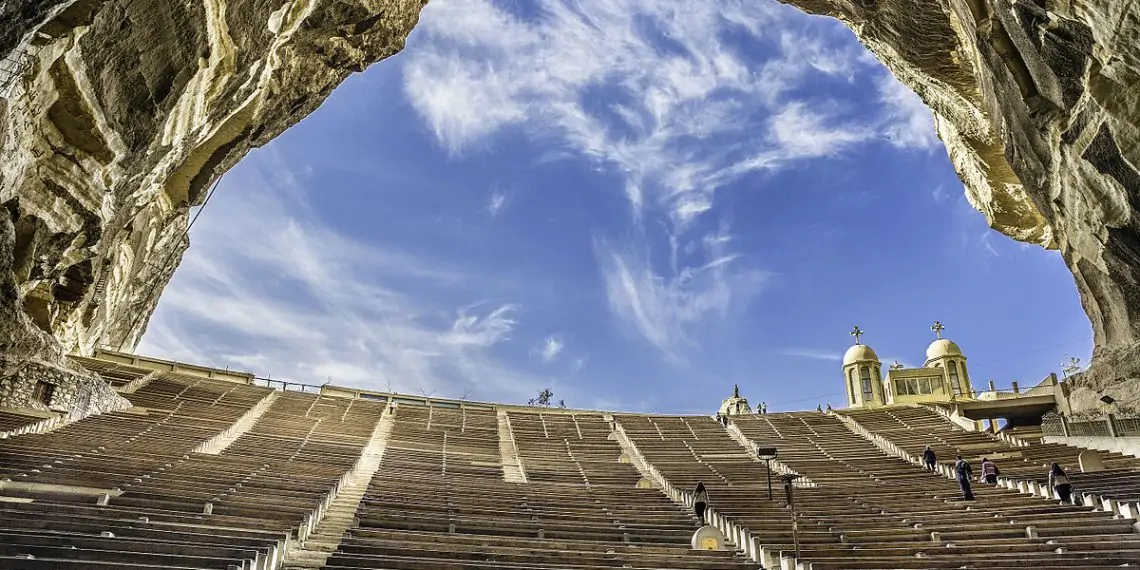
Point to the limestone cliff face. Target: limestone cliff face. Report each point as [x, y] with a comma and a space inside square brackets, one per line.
[129, 112]
[1038, 102]
[126, 111]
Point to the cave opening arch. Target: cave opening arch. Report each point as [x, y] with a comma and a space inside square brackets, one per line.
[1032, 112]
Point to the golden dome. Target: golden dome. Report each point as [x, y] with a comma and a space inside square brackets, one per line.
[942, 347]
[858, 353]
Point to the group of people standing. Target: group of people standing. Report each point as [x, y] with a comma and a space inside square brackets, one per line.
[964, 472]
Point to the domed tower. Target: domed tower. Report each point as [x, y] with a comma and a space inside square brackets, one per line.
[945, 354]
[862, 375]
[735, 406]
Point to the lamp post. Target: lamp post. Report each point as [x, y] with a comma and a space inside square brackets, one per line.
[767, 454]
[787, 479]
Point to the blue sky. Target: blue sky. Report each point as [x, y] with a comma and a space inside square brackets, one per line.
[635, 203]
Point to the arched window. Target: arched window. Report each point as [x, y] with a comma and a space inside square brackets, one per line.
[952, 367]
[865, 378]
[851, 385]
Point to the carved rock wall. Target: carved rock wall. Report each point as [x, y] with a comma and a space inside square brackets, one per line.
[129, 113]
[126, 114]
[1038, 102]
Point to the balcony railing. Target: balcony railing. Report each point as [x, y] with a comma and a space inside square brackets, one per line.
[287, 386]
[1108, 426]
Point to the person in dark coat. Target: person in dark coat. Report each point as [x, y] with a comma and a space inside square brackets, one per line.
[928, 458]
[964, 472]
[1059, 481]
[989, 471]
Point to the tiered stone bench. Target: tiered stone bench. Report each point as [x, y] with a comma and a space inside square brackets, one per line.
[124, 378]
[888, 513]
[66, 497]
[1024, 465]
[440, 500]
[690, 450]
[213, 474]
[13, 420]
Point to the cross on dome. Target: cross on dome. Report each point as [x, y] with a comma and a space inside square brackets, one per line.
[937, 328]
[857, 332]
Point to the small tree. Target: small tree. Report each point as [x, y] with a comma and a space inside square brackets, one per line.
[544, 399]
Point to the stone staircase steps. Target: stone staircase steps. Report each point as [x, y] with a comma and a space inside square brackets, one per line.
[314, 550]
[220, 442]
[133, 386]
[737, 537]
[513, 471]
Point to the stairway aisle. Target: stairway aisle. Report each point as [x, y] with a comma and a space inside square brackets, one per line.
[341, 515]
[508, 451]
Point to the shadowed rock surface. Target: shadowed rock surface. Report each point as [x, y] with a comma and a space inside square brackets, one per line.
[124, 117]
[127, 115]
[1036, 101]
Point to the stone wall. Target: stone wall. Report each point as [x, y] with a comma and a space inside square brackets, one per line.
[76, 394]
[129, 114]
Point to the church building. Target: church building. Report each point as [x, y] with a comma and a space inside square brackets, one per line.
[943, 376]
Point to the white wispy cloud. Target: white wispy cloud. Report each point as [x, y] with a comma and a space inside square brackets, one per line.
[650, 88]
[909, 123]
[663, 93]
[667, 310]
[298, 300]
[578, 364]
[939, 193]
[552, 346]
[813, 353]
[986, 239]
[496, 203]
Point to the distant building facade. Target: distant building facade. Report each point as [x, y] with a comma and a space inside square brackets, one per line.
[943, 376]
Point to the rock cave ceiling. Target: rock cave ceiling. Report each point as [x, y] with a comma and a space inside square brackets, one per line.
[123, 116]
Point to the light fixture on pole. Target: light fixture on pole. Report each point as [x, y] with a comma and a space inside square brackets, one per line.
[790, 497]
[767, 454]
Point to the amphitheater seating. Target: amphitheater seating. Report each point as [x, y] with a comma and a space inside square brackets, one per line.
[691, 450]
[439, 501]
[172, 415]
[152, 514]
[912, 428]
[1028, 434]
[13, 420]
[135, 489]
[115, 373]
[275, 473]
[885, 509]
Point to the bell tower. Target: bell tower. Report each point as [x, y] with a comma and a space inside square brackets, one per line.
[944, 354]
[862, 375]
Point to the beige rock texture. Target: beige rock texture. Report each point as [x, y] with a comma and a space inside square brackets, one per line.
[128, 113]
[122, 115]
[1037, 102]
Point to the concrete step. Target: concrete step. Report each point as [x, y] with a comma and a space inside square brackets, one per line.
[508, 451]
[341, 514]
[321, 544]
